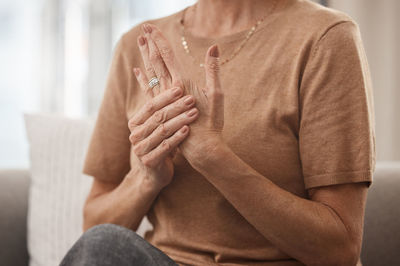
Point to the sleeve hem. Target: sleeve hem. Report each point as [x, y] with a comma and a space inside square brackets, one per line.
[101, 176]
[339, 178]
[93, 174]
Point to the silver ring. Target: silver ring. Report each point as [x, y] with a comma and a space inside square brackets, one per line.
[153, 82]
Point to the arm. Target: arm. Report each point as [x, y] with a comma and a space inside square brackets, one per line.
[157, 128]
[337, 154]
[325, 230]
[124, 204]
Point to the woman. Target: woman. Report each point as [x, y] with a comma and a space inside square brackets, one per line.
[259, 153]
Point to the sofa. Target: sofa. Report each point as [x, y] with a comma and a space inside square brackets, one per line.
[381, 241]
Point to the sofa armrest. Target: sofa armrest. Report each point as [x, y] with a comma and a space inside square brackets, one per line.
[14, 185]
[381, 240]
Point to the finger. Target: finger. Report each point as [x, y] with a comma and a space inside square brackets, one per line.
[158, 155]
[157, 61]
[160, 117]
[144, 51]
[166, 52]
[143, 82]
[166, 129]
[213, 88]
[213, 83]
[153, 105]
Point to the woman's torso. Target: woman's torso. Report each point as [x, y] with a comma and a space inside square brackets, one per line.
[193, 223]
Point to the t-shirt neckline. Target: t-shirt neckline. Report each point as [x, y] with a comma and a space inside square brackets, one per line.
[234, 36]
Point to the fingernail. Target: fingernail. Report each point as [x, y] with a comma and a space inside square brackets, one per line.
[184, 129]
[136, 71]
[188, 100]
[192, 112]
[142, 40]
[214, 52]
[177, 91]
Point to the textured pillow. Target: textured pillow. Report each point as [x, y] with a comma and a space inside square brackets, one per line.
[58, 187]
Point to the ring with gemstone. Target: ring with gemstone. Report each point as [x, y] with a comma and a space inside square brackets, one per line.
[153, 82]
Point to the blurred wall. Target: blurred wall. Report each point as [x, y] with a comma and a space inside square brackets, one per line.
[55, 55]
[379, 23]
[54, 58]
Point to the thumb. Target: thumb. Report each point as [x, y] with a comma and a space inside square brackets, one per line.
[212, 68]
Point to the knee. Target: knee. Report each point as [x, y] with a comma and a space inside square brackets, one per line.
[106, 234]
[104, 238]
[95, 243]
[104, 231]
[111, 236]
[104, 241]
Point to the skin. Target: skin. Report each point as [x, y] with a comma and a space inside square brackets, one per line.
[325, 229]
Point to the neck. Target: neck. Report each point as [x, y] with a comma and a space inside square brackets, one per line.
[216, 18]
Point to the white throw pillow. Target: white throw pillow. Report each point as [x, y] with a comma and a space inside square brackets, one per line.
[58, 188]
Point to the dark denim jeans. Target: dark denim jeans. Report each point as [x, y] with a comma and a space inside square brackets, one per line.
[113, 245]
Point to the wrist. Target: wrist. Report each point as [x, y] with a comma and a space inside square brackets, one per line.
[149, 185]
[210, 153]
[145, 184]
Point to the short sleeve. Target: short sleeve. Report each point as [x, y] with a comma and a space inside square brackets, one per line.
[107, 157]
[337, 124]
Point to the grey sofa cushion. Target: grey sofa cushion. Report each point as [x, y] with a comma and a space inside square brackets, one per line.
[13, 211]
[381, 229]
[381, 242]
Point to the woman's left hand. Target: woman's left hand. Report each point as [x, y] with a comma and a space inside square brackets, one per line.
[206, 131]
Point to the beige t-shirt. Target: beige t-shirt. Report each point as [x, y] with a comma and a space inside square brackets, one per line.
[298, 109]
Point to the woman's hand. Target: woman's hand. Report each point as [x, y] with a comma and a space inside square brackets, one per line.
[158, 128]
[206, 131]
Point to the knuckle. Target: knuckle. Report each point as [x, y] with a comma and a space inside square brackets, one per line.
[149, 107]
[179, 106]
[149, 69]
[140, 147]
[147, 129]
[214, 66]
[134, 137]
[145, 144]
[147, 161]
[131, 124]
[165, 145]
[162, 129]
[159, 117]
[136, 149]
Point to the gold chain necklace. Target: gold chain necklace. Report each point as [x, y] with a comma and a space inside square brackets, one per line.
[237, 50]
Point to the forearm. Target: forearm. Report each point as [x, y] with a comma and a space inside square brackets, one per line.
[306, 230]
[126, 205]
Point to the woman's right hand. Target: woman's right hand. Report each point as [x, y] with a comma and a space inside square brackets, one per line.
[157, 129]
